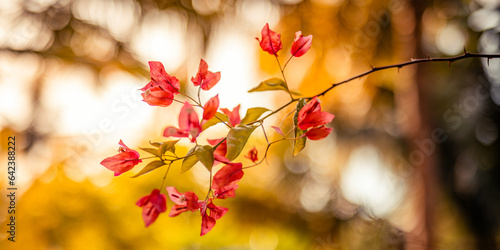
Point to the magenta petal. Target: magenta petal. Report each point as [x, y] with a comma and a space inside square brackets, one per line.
[162, 79]
[152, 205]
[224, 181]
[210, 80]
[175, 132]
[234, 116]
[207, 223]
[318, 133]
[157, 97]
[210, 108]
[188, 121]
[271, 41]
[301, 44]
[316, 119]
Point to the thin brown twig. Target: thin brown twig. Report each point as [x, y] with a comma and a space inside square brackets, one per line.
[413, 61]
[282, 69]
[373, 69]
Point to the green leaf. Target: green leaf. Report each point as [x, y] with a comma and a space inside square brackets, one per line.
[295, 92]
[219, 117]
[150, 167]
[236, 140]
[155, 144]
[300, 143]
[152, 151]
[205, 155]
[271, 84]
[167, 146]
[189, 161]
[253, 114]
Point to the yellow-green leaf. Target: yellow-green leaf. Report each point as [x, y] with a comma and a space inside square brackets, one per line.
[236, 140]
[155, 144]
[167, 146]
[295, 92]
[219, 117]
[152, 151]
[205, 155]
[150, 167]
[189, 161]
[271, 84]
[253, 114]
[299, 143]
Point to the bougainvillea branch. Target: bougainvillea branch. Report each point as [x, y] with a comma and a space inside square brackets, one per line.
[414, 61]
[309, 122]
[375, 69]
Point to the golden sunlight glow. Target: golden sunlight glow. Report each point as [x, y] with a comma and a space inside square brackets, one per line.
[70, 78]
[367, 181]
[452, 39]
[232, 53]
[162, 36]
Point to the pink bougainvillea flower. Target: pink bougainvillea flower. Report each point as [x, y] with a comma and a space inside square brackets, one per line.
[160, 78]
[278, 130]
[125, 160]
[318, 133]
[211, 107]
[252, 155]
[316, 119]
[224, 181]
[152, 205]
[234, 116]
[312, 119]
[312, 116]
[208, 220]
[301, 44]
[311, 107]
[205, 78]
[188, 124]
[183, 202]
[221, 149]
[271, 41]
[156, 96]
[220, 158]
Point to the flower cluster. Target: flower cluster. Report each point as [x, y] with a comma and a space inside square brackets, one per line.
[271, 42]
[223, 186]
[162, 91]
[313, 120]
[125, 160]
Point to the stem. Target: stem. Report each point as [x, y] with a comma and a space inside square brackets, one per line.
[209, 187]
[221, 141]
[284, 66]
[265, 154]
[374, 69]
[192, 99]
[225, 123]
[149, 157]
[186, 156]
[284, 78]
[263, 130]
[164, 158]
[199, 90]
[275, 111]
[413, 61]
[165, 176]
[175, 100]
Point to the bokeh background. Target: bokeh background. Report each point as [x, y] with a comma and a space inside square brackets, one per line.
[413, 162]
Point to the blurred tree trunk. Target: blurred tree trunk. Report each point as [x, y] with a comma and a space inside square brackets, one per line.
[413, 104]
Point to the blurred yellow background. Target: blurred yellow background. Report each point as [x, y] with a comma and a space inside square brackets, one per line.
[412, 162]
